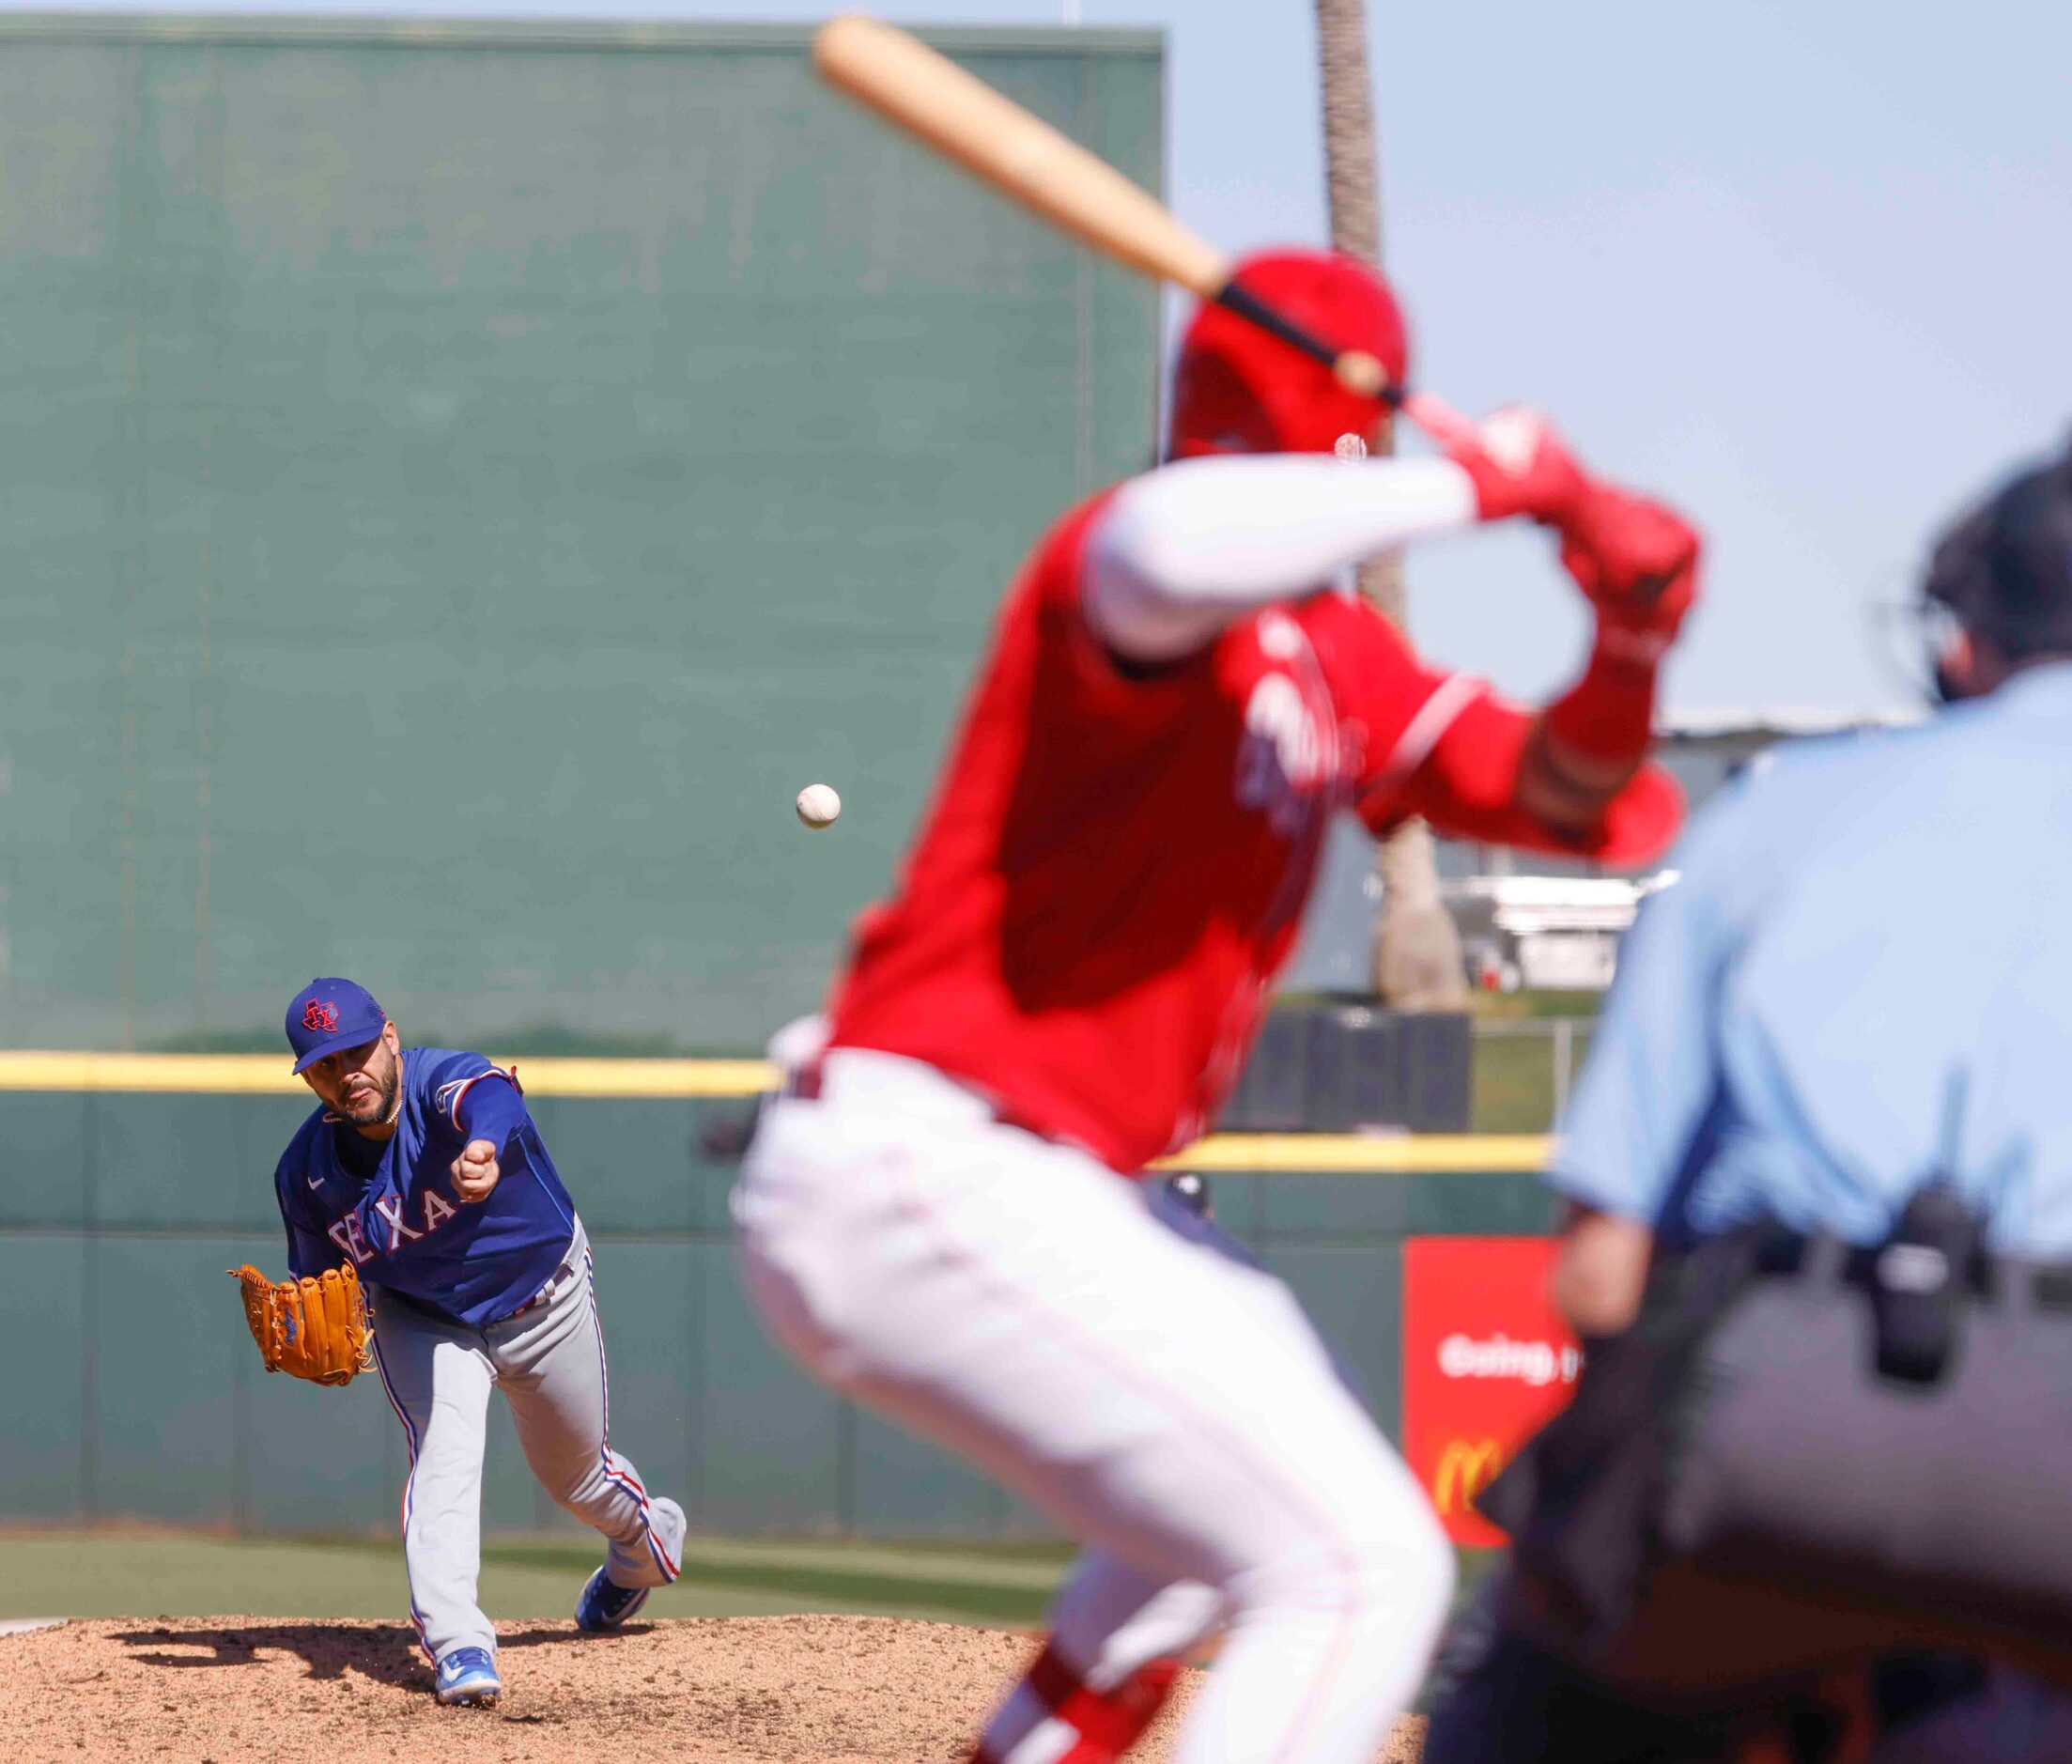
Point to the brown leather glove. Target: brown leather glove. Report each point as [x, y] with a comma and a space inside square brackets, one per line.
[313, 1329]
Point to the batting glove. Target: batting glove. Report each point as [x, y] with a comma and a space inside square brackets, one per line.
[1518, 466]
[1638, 563]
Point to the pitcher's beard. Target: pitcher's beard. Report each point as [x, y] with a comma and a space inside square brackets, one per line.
[381, 1109]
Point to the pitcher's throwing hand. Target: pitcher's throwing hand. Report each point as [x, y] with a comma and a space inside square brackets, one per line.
[475, 1172]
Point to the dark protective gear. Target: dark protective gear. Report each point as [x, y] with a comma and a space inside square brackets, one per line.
[2005, 569]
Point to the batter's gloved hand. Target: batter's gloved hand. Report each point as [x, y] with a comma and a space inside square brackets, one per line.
[1638, 563]
[1518, 466]
[475, 1172]
[315, 1328]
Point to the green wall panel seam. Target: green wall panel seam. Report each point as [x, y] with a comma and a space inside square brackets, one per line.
[89, 1379]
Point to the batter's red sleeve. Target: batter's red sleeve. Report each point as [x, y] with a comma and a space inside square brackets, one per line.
[1398, 705]
[1467, 787]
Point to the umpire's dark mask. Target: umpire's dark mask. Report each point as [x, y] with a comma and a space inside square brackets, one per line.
[1997, 593]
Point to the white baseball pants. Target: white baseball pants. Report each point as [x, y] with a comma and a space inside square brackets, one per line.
[1016, 1301]
[549, 1362]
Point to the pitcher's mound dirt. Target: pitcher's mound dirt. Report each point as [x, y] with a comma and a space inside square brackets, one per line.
[787, 1690]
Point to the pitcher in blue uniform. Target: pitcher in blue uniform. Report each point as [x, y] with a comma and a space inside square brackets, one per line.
[423, 1169]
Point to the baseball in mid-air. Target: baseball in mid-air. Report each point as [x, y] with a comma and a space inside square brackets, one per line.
[818, 805]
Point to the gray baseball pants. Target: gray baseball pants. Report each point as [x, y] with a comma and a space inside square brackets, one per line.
[549, 1362]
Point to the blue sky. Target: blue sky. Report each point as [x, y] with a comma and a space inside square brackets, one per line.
[1802, 269]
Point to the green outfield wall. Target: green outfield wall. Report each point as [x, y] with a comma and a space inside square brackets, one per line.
[458, 482]
[134, 1390]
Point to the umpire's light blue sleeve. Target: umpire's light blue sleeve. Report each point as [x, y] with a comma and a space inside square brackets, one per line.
[1638, 1118]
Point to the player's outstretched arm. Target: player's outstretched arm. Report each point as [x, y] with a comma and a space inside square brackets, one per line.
[1183, 552]
[488, 1107]
[476, 1171]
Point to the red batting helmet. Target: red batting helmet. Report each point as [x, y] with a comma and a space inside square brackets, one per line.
[1238, 390]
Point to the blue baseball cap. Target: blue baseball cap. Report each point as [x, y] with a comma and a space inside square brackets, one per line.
[328, 1014]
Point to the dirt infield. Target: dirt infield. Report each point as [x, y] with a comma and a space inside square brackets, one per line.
[780, 1690]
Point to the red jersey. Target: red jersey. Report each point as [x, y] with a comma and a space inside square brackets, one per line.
[1115, 866]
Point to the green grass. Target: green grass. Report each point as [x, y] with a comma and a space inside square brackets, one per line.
[1527, 1002]
[1513, 1084]
[70, 1573]
[169, 1573]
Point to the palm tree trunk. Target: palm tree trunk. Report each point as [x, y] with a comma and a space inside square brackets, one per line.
[1417, 964]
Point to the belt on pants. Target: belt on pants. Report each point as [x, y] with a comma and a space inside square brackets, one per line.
[2040, 1285]
[551, 1289]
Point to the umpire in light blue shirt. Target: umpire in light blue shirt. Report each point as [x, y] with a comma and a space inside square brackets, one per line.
[1819, 1236]
[1861, 973]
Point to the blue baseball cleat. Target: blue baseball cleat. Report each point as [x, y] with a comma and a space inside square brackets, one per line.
[468, 1679]
[605, 1604]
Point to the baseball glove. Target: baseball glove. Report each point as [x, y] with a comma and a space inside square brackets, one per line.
[313, 1329]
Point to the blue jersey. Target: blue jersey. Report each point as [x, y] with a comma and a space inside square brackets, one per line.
[390, 1209]
[1860, 979]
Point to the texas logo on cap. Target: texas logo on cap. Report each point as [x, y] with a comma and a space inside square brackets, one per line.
[328, 1014]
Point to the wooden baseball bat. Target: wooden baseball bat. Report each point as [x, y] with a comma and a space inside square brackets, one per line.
[994, 138]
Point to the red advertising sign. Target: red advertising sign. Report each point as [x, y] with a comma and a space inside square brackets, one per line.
[1486, 1360]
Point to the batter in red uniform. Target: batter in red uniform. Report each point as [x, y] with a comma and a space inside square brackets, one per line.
[940, 1218]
